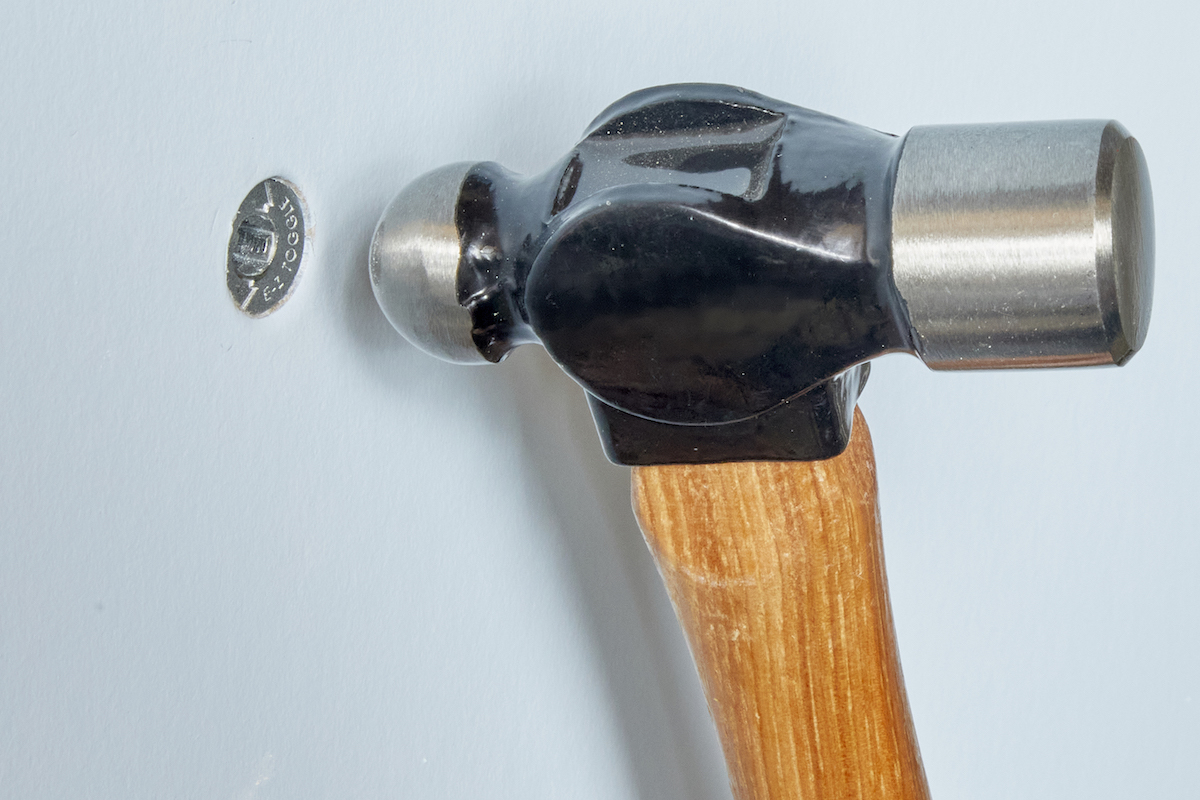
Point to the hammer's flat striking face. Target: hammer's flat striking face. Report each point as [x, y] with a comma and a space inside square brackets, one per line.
[716, 267]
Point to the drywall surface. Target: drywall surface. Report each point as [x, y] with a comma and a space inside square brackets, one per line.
[294, 557]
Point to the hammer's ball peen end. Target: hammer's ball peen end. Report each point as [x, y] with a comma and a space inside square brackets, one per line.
[414, 266]
[1024, 244]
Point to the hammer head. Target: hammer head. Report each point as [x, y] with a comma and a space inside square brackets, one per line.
[716, 268]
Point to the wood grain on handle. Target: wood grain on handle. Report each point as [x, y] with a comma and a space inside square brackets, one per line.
[776, 573]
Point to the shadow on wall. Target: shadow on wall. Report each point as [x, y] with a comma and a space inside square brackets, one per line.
[669, 740]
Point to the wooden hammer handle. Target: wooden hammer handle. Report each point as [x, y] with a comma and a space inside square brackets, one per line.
[776, 573]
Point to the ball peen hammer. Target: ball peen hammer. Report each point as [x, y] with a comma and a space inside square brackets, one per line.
[716, 268]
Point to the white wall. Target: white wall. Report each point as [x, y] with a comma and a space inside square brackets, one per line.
[295, 558]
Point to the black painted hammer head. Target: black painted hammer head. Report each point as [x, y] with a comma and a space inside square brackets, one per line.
[716, 268]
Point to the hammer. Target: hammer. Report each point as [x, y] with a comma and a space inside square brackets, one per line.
[716, 269]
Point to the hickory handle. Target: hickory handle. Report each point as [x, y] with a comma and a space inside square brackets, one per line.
[776, 573]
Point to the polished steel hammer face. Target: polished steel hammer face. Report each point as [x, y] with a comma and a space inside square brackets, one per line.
[716, 268]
